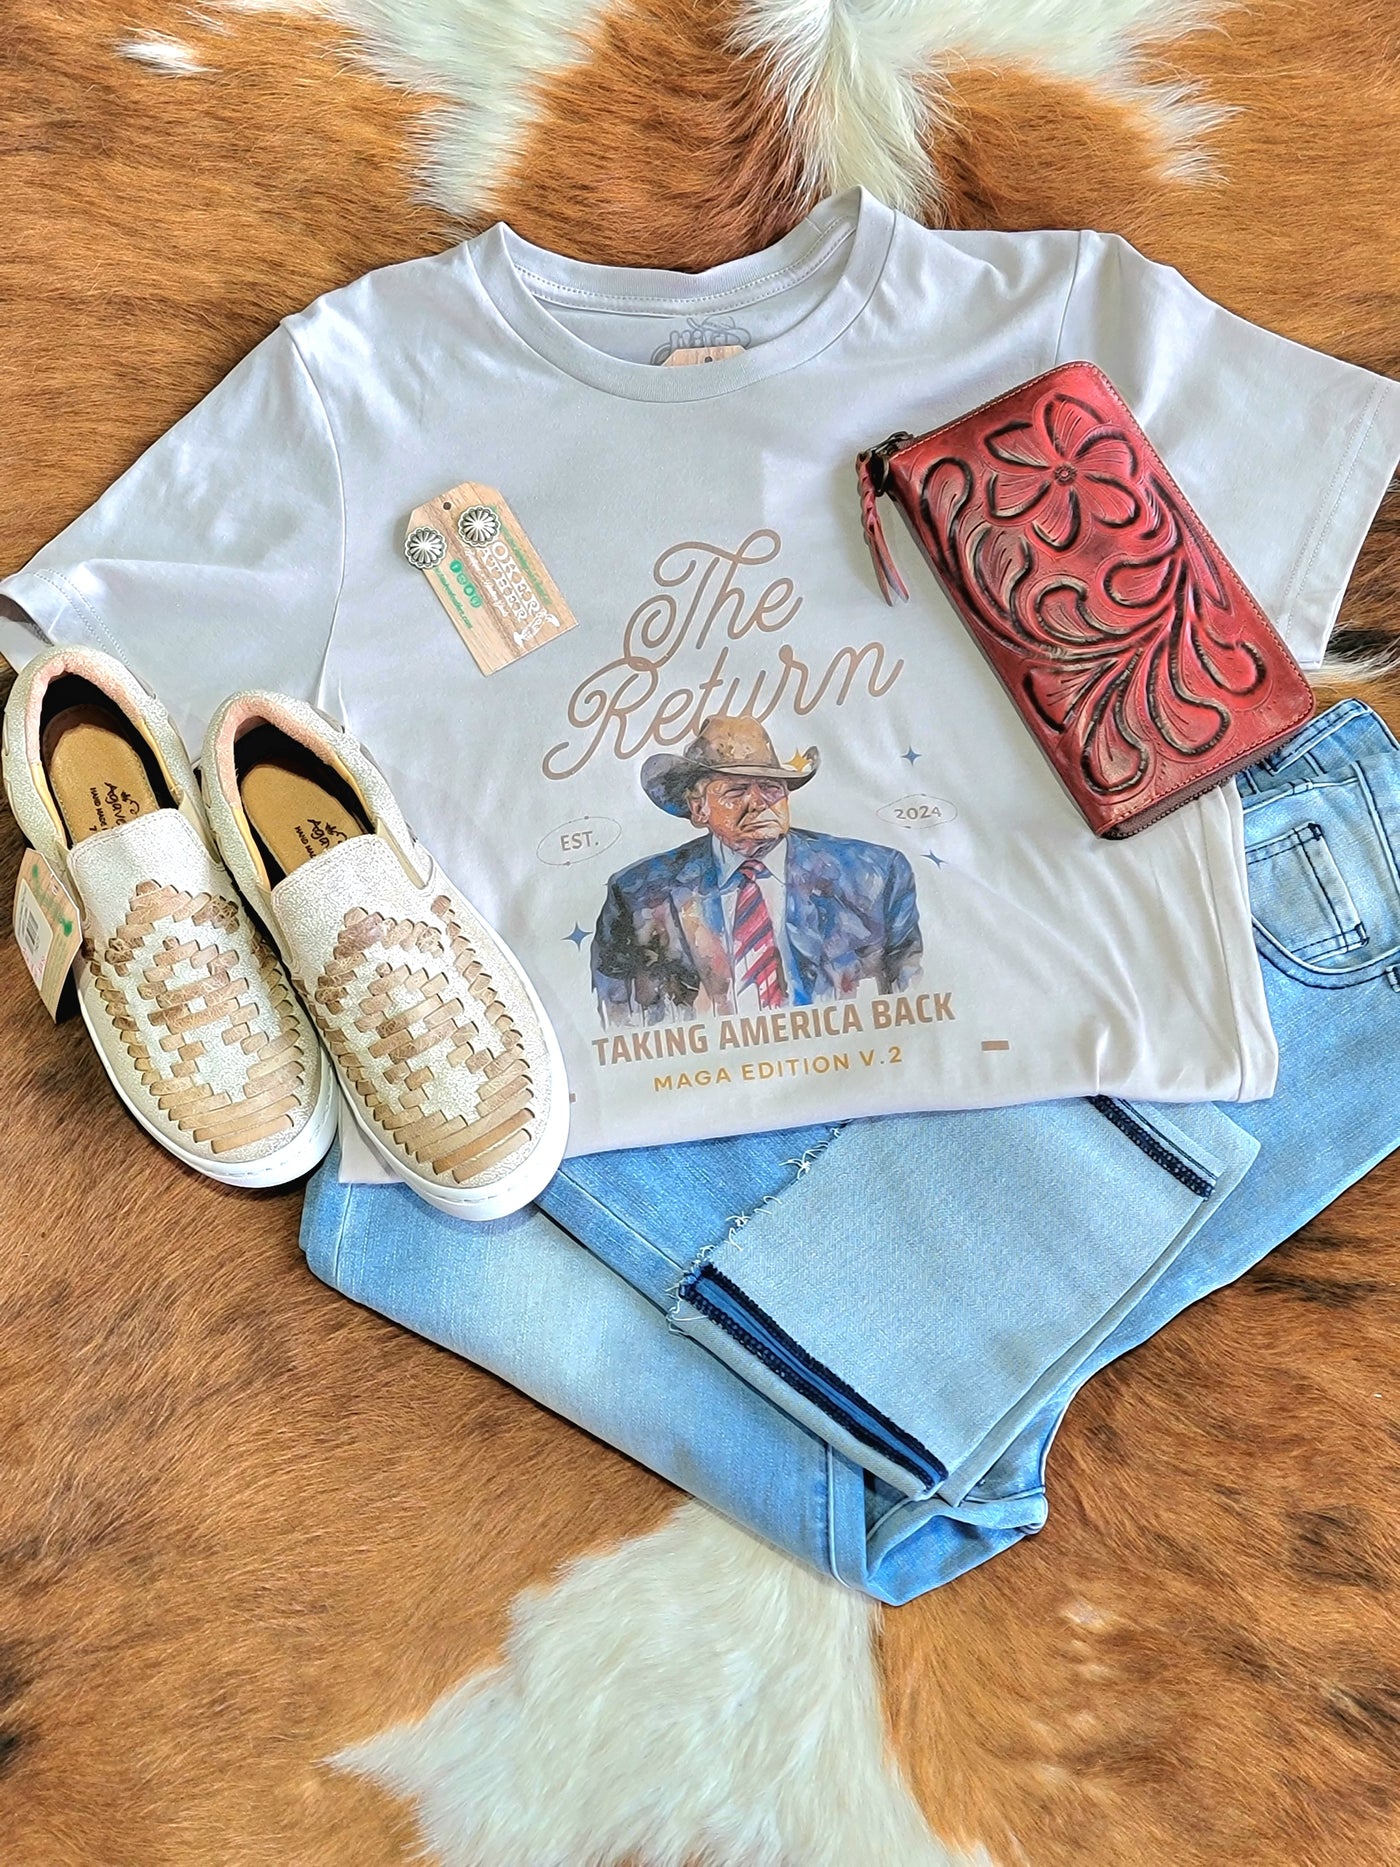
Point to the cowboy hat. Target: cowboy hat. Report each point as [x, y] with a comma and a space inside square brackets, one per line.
[729, 746]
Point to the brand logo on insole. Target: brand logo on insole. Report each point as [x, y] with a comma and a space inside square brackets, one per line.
[112, 806]
[316, 836]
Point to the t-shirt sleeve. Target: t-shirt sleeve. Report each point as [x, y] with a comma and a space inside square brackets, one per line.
[1284, 452]
[214, 563]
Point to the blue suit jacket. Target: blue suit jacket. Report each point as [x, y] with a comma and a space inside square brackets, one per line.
[659, 950]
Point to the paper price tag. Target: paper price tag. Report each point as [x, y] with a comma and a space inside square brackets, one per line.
[47, 928]
[486, 574]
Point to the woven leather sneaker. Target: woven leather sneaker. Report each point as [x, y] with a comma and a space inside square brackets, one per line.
[445, 1055]
[190, 1010]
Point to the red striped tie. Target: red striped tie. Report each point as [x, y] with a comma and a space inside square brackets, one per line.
[756, 961]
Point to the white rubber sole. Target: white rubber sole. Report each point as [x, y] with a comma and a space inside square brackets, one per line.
[305, 1151]
[517, 1189]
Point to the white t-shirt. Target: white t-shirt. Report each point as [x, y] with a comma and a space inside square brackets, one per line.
[954, 935]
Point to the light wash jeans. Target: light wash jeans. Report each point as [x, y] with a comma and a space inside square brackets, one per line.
[860, 1342]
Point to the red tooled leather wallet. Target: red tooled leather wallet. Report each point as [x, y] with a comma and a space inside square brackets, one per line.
[1146, 671]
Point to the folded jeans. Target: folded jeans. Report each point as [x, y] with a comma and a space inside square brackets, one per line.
[861, 1343]
[913, 1287]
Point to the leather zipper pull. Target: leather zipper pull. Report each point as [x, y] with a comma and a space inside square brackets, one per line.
[872, 477]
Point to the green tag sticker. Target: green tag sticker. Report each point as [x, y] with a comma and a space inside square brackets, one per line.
[47, 928]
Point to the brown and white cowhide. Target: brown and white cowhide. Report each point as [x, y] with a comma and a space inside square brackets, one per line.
[281, 1583]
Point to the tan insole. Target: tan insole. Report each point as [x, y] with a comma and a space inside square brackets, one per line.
[295, 817]
[96, 774]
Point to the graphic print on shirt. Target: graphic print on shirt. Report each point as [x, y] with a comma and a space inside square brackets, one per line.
[673, 669]
[766, 943]
[754, 914]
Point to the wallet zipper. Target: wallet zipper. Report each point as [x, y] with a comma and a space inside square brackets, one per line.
[873, 479]
[890, 445]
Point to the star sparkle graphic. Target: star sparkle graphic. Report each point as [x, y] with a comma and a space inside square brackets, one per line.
[911, 757]
[937, 861]
[578, 936]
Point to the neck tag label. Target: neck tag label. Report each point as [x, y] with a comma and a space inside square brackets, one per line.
[487, 575]
[703, 353]
[702, 340]
[47, 928]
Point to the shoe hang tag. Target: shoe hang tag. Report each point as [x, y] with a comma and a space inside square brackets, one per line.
[486, 574]
[46, 927]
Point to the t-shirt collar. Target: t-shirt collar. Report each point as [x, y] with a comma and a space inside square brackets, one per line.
[519, 280]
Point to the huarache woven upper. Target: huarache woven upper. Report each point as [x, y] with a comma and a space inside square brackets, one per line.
[206, 1020]
[408, 1007]
[190, 1008]
[442, 1049]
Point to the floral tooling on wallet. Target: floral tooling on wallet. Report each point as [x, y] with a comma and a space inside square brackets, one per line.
[1144, 668]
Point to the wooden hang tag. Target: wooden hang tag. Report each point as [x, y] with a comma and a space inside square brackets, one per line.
[486, 574]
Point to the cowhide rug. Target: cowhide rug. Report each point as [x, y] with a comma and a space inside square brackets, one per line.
[282, 1584]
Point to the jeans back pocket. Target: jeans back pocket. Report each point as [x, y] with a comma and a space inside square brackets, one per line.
[1312, 910]
[1323, 885]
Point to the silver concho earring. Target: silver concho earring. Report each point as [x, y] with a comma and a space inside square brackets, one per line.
[425, 547]
[478, 525]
